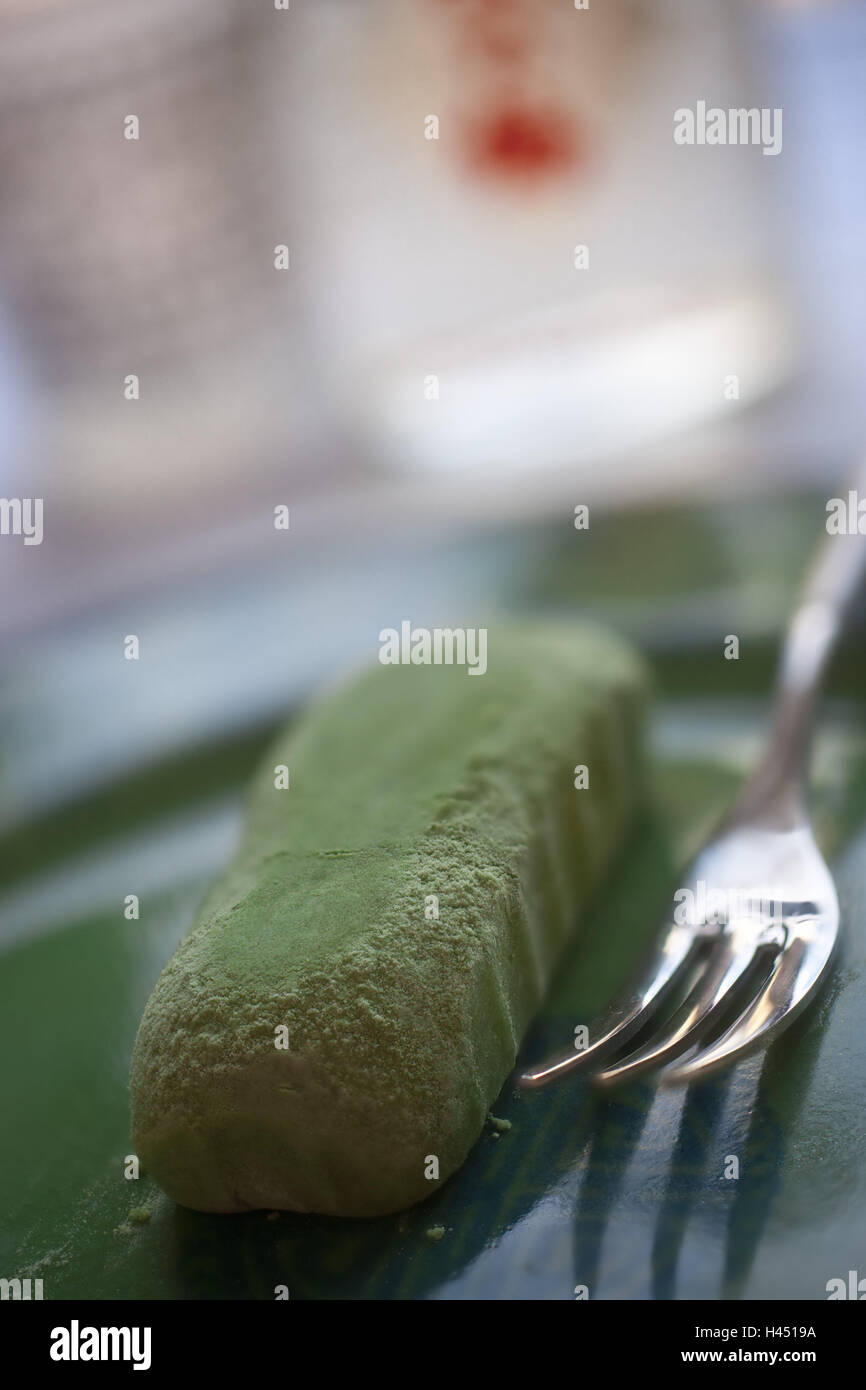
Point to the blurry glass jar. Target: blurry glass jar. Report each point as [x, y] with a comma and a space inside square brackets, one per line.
[512, 267]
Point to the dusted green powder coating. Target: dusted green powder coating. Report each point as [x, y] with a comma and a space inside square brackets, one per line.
[414, 789]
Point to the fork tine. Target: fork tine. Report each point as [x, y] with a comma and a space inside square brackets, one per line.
[792, 982]
[631, 1009]
[723, 977]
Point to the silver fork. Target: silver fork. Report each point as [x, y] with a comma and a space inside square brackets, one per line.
[757, 917]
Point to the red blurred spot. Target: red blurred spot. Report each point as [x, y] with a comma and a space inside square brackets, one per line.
[517, 142]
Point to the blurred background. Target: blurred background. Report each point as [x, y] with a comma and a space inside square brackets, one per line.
[428, 273]
[545, 305]
[410, 259]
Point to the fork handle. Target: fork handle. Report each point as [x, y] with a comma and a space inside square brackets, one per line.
[777, 787]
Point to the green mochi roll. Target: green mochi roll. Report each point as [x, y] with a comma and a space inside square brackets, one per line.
[393, 918]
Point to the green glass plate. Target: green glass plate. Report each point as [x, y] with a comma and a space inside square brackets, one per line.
[630, 1196]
